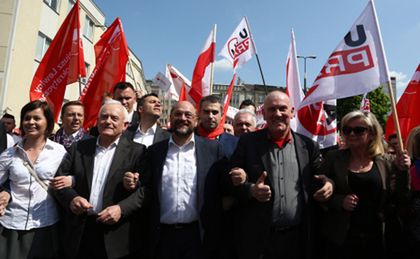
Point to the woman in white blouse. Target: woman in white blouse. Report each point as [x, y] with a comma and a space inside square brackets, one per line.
[28, 226]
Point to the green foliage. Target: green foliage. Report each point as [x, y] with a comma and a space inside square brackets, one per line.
[380, 105]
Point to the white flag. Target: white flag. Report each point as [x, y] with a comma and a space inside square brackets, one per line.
[240, 46]
[178, 81]
[293, 87]
[358, 64]
[162, 81]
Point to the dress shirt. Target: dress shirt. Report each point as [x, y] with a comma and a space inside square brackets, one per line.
[30, 205]
[103, 160]
[178, 197]
[145, 138]
[10, 140]
[130, 116]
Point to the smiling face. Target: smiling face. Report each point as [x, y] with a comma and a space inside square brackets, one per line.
[34, 123]
[111, 121]
[183, 119]
[277, 113]
[72, 118]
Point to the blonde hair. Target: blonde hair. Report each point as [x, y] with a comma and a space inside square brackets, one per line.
[376, 146]
[413, 143]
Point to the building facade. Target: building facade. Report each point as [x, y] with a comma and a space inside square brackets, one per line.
[26, 31]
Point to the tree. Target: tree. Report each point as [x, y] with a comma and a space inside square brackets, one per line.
[379, 105]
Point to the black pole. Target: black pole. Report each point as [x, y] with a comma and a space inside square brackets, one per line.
[262, 75]
[304, 76]
[80, 87]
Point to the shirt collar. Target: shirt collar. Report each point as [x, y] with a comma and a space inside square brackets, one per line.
[282, 142]
[172, 142]
[48, 144]
[114, 144]
[150, 131]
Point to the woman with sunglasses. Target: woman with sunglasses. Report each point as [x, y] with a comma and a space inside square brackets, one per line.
[28, 223]
[367, 181]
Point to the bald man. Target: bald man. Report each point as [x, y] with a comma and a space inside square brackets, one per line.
[274, 217]
[100, 213]
[180, 166]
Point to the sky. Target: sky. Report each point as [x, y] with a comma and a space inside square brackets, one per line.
[164, 32]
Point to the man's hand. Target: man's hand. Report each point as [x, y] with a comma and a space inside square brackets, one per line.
[350, 202]
[110, 215]
[79, 205]
[60, 182]
[238, 176]
[259, 190]
[326, 190]
[4, 201]
[403, 160]
[130, 180]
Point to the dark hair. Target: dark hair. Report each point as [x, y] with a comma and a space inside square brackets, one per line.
[71, 103]
[49, 116]
[123, 86]
[247, 102]
[392, 136]
[211, 99]
[140, 101]
[8, 116]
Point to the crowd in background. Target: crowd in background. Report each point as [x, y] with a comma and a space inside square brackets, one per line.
[132, 188]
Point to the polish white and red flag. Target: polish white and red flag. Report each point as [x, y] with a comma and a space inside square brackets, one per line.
[365, 104]
[201, 80]
[293, 88]
[358, 64]
[240, 46]
[407, 109]
[62, 64]
[179, 85]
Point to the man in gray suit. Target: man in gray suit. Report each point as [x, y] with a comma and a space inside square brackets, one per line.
[100, 213]
[276, 198]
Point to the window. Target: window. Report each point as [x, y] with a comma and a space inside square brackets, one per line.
[53, 4]
[88, 28]
[70, 5]
[43, 43]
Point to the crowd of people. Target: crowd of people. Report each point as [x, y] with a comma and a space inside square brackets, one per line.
[131, 188]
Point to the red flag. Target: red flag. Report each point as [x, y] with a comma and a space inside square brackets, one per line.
[62, 64]
[200, 85]
[408, 115]
[111, 53]
[183, 93]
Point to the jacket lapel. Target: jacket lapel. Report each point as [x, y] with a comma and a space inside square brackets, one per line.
[118, 160]
[89, 159]
[157, 168]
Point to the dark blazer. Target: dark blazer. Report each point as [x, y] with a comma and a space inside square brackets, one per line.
[337, 220]
[120, 238]
[228, 143]
[3, 138]
[207, 153]
[253, 219]
[160, 133]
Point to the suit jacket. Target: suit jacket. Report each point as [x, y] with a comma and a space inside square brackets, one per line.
[207, 153]
[3, 138]
[228, 143]
[160, 133]
[120, 239]
[253, 219]
[337, 220]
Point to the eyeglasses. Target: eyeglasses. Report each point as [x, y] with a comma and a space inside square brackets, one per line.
[359, 130]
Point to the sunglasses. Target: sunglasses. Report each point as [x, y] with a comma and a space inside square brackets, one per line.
[356, 130]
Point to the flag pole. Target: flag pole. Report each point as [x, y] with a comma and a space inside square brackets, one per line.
[395, 115]
[256, 55]
[80, 86]
[212, 63]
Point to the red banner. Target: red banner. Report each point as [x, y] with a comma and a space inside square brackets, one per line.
[111, 59]
[62, 64]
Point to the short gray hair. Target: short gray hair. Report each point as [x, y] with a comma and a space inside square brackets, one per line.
[115, 102]
[247, 111]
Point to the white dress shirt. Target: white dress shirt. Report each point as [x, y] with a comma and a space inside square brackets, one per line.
[103, 160]
[30, 205]
[145, 138]
[178, 197]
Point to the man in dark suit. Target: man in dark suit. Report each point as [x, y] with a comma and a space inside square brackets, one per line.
[3, 138]
[179, 167]
[210, 115]
[147, 131]
[99, 220]
[274, 181]
[125, 93]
